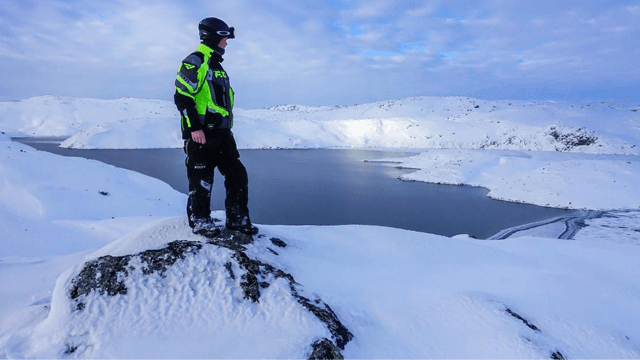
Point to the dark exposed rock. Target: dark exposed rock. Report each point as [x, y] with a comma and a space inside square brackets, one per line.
[324, 350]
[230, 270]
[278, 273]
[273, 251]
[106, 274]
[250, 285]
[525, 321]
[70, 349]
[159, 260]
[556, 355]
[249, 280]
[569, 138]
[340, 334]
[232, 240]
[279, 243]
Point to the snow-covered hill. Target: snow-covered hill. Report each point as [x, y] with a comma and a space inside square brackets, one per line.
[63, 117]
[421, 122]
[48, 206]
[448, 122]
[360, 291]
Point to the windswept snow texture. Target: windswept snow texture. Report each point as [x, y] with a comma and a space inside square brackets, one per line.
[183, 298]
[402, 294]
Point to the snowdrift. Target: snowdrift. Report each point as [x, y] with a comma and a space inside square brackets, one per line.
[52, 205]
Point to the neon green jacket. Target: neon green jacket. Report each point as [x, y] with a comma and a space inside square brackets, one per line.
[203, 94]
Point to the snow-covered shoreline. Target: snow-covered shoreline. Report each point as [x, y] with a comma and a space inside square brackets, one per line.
[552, 179]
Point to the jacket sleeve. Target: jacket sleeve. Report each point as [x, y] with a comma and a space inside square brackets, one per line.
[187, 85]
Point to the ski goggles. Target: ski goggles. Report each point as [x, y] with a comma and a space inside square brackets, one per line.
[230, 33]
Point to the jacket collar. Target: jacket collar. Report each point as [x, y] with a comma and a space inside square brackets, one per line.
[209, 52]
[205, 49]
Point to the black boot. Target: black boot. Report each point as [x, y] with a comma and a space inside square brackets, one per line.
[242, 224]
[204, 226]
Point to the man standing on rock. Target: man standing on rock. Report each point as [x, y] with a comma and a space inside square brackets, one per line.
[205, 101]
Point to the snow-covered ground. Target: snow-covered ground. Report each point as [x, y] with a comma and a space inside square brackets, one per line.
[399, 294]
[553, 179]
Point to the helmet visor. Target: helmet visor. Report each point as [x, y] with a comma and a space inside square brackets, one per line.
[230, 33]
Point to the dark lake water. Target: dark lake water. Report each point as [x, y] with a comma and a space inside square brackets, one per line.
[333, 187]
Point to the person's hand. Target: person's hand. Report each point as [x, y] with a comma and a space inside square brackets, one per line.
[198, 136]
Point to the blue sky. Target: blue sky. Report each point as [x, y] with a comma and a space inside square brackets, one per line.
[327, 52]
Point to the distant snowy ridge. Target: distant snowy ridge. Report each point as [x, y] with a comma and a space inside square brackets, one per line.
[420, 122]
[299, 108]
[61, 116]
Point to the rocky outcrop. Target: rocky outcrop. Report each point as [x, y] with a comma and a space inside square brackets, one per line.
[325, 349]
[566, 139]
[107, 276]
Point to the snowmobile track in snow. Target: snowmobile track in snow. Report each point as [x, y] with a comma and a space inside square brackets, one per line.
[573, 223]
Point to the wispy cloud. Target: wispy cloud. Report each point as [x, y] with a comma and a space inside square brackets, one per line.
[326, 52]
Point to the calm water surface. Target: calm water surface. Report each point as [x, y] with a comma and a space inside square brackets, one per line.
[333, 187]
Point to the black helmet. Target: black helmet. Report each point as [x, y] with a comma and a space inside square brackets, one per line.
[213, 29]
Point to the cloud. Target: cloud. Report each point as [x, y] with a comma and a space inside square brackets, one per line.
[371, 9]
[324, 53]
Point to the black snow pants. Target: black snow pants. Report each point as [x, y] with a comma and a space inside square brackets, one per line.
[219, 151]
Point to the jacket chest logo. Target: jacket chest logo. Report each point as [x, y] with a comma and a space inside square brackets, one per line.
[217, 74]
